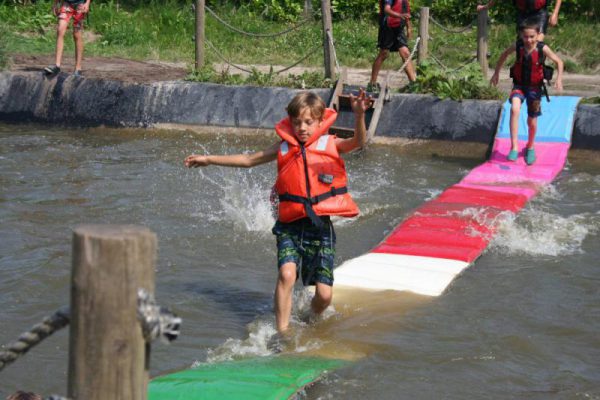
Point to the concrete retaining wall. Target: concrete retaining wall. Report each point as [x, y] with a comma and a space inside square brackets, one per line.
[88, 102]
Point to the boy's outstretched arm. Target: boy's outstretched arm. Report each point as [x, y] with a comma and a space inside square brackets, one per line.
[360, 104]
[233, 160]
[501, 60]
[559, 66]
[553, 20]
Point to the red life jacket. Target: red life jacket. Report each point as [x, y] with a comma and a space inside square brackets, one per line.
[528, 70]
[527, 6]
[399, 6]
[311, 176]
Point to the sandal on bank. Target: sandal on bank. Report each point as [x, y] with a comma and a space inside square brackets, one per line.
[52, 70]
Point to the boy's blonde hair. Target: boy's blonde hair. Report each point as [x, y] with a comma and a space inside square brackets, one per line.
[21, 395]
[304, 100]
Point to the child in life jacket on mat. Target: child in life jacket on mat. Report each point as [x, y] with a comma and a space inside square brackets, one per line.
[528, 75]
[312, 186]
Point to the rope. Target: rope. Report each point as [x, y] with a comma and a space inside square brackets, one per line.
[35, 335]
[337, 64]
[262, 35]
[226, 61]
[157, 321]
[446, 69]
[464, 29]
[412, 54]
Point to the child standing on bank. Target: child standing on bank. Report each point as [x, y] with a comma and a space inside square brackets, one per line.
[528, 84]
[312, 186]
[394, 21]
[76, 9]
[532, 10]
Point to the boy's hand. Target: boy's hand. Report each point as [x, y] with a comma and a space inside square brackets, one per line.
[553, 21]
[481, 7]
[195, 161]
[83, 8]
[494, 80]
[361, 103]
[558, 85]
[56, 8]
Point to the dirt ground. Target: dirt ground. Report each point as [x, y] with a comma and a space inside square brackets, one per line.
[153, 71]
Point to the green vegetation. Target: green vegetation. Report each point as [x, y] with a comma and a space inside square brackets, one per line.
[467, 83]
[304, 81]
[4, 58]
[163, 30]
[591, 100]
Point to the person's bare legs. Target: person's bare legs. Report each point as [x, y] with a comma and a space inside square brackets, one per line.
[322, 298]
[532, 127]
[383, 53]
[78, 39]
[515, 110]
[60, 40]
[410, 69]
[283, 295]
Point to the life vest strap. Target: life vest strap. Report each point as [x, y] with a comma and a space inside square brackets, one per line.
[308, 202]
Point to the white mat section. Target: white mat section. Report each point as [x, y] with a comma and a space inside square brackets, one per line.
[381, 271]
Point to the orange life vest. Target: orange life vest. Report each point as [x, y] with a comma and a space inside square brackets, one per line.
[311, 176]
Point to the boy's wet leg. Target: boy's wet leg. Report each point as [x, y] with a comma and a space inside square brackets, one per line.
[283, 295]
[322, 298]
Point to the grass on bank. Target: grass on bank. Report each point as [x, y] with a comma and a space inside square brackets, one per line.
[164, 32]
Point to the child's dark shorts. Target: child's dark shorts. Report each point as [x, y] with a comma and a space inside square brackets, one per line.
[312, 249]
[540, 16]
[392, 39]
[533, 96]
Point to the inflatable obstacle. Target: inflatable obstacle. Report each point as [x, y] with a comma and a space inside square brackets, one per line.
[262, 378]
[444, 236]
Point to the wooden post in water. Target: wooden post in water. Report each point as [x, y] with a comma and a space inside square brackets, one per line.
[482, 41]
[199, 34]
[424, 34]
[328, 60]
[108, 356]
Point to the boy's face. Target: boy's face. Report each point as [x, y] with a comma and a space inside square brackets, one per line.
[304, 125]
[529, 37]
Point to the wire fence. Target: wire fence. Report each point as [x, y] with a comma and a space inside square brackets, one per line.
[252, 69]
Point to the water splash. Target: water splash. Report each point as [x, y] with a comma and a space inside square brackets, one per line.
[540, 232]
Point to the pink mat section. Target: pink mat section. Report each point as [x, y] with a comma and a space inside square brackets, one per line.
[459, 224]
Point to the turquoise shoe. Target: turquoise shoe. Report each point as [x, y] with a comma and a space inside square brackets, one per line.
[530, 156]
[512, 155]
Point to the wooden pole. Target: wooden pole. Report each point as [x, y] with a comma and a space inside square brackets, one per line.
[108, 356]
[424, 34]
[482, 41]
[328, 60]
[199, 34]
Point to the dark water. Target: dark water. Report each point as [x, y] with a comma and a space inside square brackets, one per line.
[521, 323]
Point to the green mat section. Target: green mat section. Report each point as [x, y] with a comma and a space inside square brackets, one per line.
[276, 377]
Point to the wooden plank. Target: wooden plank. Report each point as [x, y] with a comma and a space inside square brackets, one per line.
[378, 106]
[339, 89]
